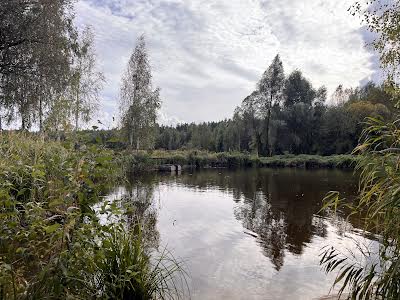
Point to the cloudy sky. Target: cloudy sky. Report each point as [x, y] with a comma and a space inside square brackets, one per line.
[207, 55]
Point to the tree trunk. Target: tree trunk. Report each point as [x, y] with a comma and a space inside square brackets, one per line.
[130, 133]
[78, 80]
[40, 114]
[268, 148]
[257, 135]
[239, 141]
[23, 123]
[268, 120]
[77, 109]
[137, 144]
[258, 142]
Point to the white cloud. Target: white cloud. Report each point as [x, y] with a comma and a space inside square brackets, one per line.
[208, 54]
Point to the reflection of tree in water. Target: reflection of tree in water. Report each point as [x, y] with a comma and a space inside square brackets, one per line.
[282, 216]
[319, 226]
[138, 200]
[280, 206]
[257, 216]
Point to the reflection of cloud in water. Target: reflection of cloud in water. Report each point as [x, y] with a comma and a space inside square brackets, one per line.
[203, 219]
[135, 201]
[280, 206]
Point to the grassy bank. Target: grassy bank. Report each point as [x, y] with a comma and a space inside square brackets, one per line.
[52, 244]
[204, 159]
[344, 161]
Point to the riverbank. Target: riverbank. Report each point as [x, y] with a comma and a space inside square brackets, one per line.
[52, 242]
[202, 159]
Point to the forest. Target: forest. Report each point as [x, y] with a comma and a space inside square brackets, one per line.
[303, 123]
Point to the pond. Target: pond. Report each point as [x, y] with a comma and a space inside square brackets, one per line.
[247, 234]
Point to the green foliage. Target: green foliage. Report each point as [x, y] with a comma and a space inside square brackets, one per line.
[205, 159]
[379, 199]
[306, 126]
[310, 161]
[139, 103]
[383, 19]
[127, 272]
[376, 275]
[137, 162]
[86, 82]
[37, 38]
[298, 89]
[52, 243]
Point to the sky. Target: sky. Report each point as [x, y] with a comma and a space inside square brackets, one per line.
[207, 55]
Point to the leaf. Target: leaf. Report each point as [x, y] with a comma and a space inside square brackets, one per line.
[340, 277]
[7, 267]
[51, 228]
[20, 250]
[55, 203]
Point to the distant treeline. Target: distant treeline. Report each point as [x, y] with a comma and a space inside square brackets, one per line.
[307, 126]
[300, 128]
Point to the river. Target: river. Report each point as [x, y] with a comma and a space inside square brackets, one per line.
[248, 233]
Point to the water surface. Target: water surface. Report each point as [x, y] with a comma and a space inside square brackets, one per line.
[246, 234]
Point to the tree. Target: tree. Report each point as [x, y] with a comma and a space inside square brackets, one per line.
[302, 111]
[383, 18]
[250, 116]
[238, 128]
[299, 121]
[318, 119]
[139, 103]
[373, 93]
[270, 89]
[86, 82]
[341, 95]
[59, 117]
[36, 38]
[298, 89]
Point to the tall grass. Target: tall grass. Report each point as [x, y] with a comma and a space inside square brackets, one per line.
[128, 272]
[379, 199]
[52, 245]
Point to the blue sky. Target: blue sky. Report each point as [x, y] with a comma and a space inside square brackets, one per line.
[207, 55]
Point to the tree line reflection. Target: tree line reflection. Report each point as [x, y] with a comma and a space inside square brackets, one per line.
[280, 206]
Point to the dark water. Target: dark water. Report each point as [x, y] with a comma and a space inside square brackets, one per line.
[247, 234]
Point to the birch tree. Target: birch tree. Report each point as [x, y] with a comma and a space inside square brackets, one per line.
[35, 50]
[87, 81]
[139, 102]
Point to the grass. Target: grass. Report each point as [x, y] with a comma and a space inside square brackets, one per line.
[52, 245]
[343, 161]
[368, 273]
[204, 159]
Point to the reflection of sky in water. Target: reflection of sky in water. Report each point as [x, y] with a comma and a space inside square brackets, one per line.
[251, 234]
[102, 209]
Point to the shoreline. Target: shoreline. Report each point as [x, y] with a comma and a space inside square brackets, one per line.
[151, 161]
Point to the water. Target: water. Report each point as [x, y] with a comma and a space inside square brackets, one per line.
[247, 234]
